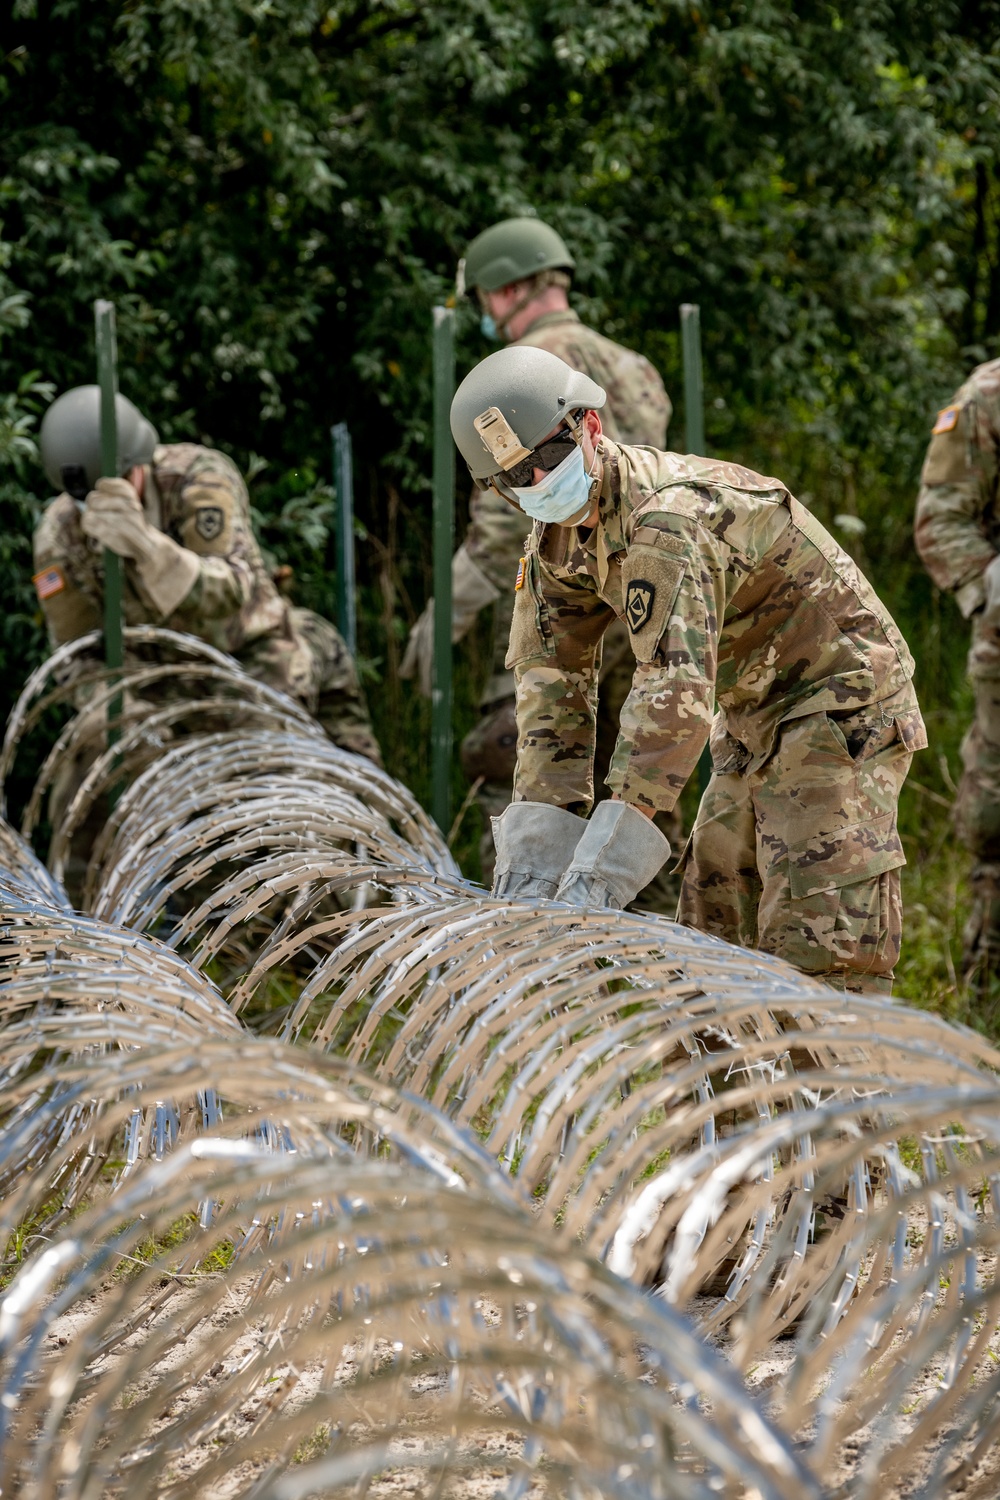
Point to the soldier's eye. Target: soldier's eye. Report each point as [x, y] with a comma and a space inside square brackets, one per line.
[548, 456]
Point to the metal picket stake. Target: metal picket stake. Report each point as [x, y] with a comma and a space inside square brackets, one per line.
[107, 379]
[444, 542]
[694, 395]
[694, 433]
[343, 481]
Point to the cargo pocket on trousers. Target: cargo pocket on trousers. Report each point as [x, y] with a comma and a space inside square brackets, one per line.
[828, 861]
[845, 898]
[530, 633]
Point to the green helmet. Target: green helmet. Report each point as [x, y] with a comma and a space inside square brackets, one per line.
[70, 439]
[512, 251]
[509, 403]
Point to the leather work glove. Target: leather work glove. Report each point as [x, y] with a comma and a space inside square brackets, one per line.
[114, 517]
[991, 583]
[534, 844]
[618, 854]
[471, 591]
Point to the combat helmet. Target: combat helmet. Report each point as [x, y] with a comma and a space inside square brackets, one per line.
[511, 401]
[513, 250]
[70, 439]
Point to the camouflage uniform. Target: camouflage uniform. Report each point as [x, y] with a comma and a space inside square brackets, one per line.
[638, 411]
[957, 533]
[733, 595]
[198, 497]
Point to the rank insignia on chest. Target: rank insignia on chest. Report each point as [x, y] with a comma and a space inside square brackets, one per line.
[522, 568]
[50, 581]
[946, 420]
[639, 603]
[209, 521]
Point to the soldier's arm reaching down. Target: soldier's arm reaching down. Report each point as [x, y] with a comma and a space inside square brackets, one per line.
[555, 639]
[673, 594]
[674, 597]
[957, 491]
[211, 520]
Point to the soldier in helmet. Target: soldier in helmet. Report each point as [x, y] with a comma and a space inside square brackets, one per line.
[957, 533]
[734, 596]
[520, 270]
[180, 520]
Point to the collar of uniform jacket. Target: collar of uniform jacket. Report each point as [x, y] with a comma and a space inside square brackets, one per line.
[550, 319]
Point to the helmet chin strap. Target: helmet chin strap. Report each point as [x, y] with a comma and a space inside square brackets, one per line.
[519, 306]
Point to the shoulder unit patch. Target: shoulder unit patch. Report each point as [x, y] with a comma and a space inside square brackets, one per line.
[639, 602]
[209, 521]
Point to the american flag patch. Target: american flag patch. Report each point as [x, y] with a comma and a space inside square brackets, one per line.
[519, 580]
[945, 420]
[50, 581]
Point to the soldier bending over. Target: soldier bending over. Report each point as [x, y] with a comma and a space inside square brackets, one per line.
[735, 596]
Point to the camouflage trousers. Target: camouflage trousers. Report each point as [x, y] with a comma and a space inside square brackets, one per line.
[977, 807]
[489, 751]
[310, 662]
[801, 857]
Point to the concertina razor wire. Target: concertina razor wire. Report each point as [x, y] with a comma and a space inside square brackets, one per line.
[324, 1173]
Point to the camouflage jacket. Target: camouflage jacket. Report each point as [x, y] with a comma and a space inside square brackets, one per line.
[733, 594]
[957, 528]
[637, 411]
[198, 497]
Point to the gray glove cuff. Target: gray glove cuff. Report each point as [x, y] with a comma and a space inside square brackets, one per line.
[619, 853]
[534, 844]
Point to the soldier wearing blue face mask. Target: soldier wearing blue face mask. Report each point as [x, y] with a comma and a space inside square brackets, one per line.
[736, 600]
[519, 272]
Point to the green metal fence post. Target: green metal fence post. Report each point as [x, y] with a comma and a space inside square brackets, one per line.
[107, 379]
[694, 433]
[444, 542]
[343, 481]
[694, 395]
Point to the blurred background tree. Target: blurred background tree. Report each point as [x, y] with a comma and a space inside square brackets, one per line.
[276, 194]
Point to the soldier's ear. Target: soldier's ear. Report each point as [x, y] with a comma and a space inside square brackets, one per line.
[136, 477]
[592, 422]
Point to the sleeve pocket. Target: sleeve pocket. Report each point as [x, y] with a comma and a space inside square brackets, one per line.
[530, 634]
[651, 580]
[828, 861]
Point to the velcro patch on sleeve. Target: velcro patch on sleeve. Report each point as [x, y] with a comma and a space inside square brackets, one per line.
[521, 570]
[946, 420]
[48, 582]
[667, 541]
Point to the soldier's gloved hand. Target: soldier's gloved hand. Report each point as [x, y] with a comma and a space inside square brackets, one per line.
[114, 517]
[991, 583]
[534, 844]
[471, 591]
[618, 854]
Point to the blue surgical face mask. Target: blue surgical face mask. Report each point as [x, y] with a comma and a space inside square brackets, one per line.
[488, 327]
[563, 496]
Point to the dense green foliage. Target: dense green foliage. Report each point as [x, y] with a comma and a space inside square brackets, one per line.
[275, 193]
